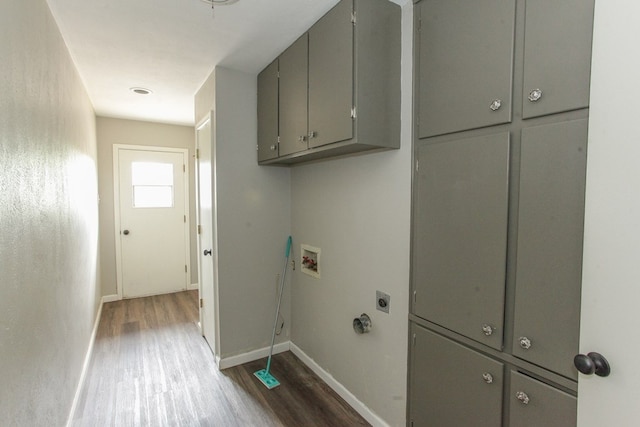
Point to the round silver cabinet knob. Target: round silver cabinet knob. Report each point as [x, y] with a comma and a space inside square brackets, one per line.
[535, 95]
[525, 343]
[495, 104]
[522, 397]
[487, 330]
[487, 377]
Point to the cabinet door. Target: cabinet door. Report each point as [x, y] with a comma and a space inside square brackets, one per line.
[465, 57]
[331, 76]
[460, 235]
[452, 385]
[268, 112]
[535, 404]
[293, 97]
[557, 56]
[550, 230]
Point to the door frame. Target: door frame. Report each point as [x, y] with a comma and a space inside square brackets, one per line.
[215, 345]
[116, 205]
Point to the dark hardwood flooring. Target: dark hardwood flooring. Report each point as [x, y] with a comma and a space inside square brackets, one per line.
[151, 367]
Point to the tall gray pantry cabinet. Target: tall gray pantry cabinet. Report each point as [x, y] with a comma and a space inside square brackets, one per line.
[501, 112]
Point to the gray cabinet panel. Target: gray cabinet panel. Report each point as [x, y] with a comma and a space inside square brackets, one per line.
[460, 235]
[331, 76]
[465, 57]
[293, 97]
[447, 385]
[546, 406]
[549, 252]
[557, 55]
[268, 112]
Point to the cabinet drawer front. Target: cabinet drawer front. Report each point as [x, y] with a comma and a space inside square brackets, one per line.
[557, 56]
[534, 404]
[465, 57]
[460, 235]
[549, 257]
[452, 385]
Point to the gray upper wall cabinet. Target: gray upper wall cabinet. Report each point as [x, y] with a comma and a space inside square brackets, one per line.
[268, 113]
[557, 56]
[292, 103]
[339, 86]
[465, 57]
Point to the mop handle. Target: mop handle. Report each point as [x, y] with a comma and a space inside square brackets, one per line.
[275, 324]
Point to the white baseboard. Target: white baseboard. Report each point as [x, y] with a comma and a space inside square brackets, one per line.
[228, 362]
[193, 287]
[342, 391]
[87, 360]
[110, 298]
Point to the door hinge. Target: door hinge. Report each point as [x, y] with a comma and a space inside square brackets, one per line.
[199, 229]
[278, 74]
[419, 25]
[184, 168]
[197, 153]
[201, 303]
[417, 165]
[354, 113]
[353, 18]
[185, 268]
[414, 340]
[185, 219]
[415, 293]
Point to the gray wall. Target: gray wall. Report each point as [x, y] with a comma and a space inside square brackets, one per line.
[357, 211]
[131, 132]
[48, 219]
[252, 210]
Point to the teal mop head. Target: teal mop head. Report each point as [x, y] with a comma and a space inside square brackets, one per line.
[267, 379]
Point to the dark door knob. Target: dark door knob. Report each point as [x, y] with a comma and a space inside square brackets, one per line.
[207, 252]
[125, 232]
[592, 363]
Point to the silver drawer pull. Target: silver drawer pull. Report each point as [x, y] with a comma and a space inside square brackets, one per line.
[522, 397]
[313, 134]
[302, 138]
[525, 343]
[487, 377]
[535, 95]
[495, 104]
[273, 147]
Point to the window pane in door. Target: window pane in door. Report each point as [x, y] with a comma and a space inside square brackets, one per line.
[152, 184]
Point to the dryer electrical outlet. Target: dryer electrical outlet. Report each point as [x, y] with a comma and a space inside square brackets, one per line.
[382, 301]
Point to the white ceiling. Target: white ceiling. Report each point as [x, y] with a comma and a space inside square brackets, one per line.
[171, 47]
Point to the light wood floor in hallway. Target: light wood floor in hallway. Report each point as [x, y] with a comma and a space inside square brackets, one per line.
[151, 367]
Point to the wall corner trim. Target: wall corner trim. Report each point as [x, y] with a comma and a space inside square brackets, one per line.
[342, 391]
[229, 362]
[87, 360]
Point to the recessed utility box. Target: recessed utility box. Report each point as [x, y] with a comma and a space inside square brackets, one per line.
[310, 263]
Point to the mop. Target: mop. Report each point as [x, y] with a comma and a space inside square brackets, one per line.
[263, 375]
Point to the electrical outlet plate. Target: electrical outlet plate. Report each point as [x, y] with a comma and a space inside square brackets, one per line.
[382, 301]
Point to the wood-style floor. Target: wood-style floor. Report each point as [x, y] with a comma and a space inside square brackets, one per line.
[151, 367]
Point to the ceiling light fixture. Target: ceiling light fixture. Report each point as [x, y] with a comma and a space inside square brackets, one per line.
[219, 2]
[140, 90]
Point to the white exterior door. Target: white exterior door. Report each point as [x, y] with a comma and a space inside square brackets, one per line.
[151, 220]
[207, 252]
[611, 269]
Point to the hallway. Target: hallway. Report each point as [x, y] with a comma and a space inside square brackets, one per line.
[151, 367]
